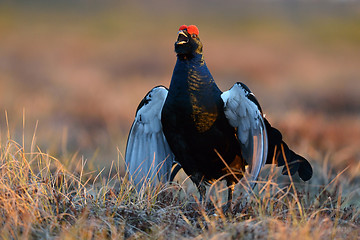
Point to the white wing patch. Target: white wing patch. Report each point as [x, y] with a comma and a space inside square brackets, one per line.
[243, 113]
[148, 156]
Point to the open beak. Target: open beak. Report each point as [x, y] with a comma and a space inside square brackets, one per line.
[182, 38]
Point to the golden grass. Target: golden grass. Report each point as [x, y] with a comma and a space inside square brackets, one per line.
[42, 198]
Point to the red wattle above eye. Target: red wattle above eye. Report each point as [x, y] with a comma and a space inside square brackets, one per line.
[182, 27]
[192, 29]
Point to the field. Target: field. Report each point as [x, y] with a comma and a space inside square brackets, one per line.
[72, 75]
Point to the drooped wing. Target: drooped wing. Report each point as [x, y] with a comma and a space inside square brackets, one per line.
[244, 113]
[148, 156]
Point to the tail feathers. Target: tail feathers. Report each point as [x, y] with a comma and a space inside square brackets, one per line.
[295, 162]
[280, 153]
[290, 158]
[305, 169]
[174, 170]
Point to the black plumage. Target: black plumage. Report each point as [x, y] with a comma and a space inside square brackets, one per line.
[211, 133]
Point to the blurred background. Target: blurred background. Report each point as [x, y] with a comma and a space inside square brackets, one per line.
[73, 72]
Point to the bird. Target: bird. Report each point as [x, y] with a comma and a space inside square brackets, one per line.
[210, 134]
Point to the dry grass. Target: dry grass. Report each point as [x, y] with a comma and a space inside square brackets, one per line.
[41, 198]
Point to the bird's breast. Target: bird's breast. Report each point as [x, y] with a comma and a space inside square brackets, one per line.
[193, 98]
[203, 119]
[203, 103]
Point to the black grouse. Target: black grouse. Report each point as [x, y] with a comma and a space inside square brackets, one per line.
[211, 134]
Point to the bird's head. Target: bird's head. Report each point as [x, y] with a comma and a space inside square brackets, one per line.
[188, 42]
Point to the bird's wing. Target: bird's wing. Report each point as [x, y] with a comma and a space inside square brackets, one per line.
[244, 113]
[148, 156]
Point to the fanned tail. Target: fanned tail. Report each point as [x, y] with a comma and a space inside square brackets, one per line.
[279, 151]
[174, 170]
[295, 162]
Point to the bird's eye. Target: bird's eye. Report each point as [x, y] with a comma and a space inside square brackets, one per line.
[193, 35]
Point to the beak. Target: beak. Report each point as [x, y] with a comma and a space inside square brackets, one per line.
[182, 37]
